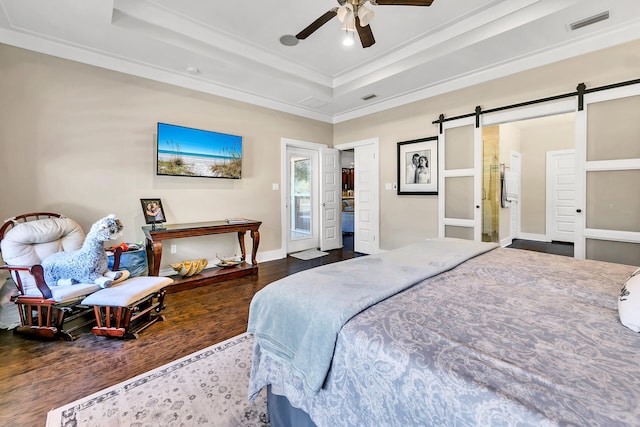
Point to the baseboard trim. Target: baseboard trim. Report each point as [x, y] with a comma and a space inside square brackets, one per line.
[535, 237]
[271, 255]
[506, 242]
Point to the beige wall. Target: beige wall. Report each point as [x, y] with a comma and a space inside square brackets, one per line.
[405, 219]
[80, 140]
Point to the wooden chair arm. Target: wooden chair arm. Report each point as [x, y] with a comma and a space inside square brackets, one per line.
[117, 253]
[38, 274]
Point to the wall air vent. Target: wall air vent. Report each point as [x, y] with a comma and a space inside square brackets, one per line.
[590, 20]
[368, 97]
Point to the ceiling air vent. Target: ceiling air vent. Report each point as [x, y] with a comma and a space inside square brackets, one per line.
[312, 102]
[590, 20]
[368, 97]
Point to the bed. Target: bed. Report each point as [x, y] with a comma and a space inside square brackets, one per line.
[502, 337]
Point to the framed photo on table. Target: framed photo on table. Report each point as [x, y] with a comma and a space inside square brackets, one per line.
[152, 210]
[418, 166]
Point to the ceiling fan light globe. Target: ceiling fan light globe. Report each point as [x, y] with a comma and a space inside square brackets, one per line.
[344, 10]
[347, 41]
[365, 15]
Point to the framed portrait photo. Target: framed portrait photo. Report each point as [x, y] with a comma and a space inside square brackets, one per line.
[152, 210]
[418, 166]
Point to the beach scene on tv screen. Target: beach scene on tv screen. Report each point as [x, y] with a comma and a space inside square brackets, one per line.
[193, 152]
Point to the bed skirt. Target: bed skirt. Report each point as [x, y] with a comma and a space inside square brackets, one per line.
[282, 414]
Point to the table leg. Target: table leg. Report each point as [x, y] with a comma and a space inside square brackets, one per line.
[255, 237]
[241, 241]
[154, 255]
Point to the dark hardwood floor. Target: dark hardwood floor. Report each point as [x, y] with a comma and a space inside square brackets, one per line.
[37, 376]
[558, 248]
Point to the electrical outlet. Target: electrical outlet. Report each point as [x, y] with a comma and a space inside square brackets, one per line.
[174, 249]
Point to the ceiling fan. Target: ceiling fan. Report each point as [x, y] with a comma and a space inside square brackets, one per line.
[355, 16]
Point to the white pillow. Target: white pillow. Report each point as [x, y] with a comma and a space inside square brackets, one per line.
[28, 243]
[629, 302]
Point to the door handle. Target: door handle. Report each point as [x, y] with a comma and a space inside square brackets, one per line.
[578, 210]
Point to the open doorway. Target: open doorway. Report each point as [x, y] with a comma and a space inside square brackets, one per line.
[491, 180]
[348, 198]
[302, 194]
[529, 142]
[366, 197]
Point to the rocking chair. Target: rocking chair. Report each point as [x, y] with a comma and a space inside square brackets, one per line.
[58, 311]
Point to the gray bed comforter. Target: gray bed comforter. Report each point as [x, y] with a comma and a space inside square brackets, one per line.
[297, 319]
[510, 337]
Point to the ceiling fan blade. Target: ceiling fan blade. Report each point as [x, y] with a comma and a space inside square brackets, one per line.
[365, 33]
[317, 24]
[404, 2]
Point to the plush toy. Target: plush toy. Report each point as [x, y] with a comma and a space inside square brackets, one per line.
[89, 264]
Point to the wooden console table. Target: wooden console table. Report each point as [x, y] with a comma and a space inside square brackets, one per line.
[154, 238]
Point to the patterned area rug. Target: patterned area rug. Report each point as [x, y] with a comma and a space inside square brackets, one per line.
[309, 254]
[207, 388]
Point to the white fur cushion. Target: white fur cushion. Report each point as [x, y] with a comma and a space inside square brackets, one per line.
[629, 302]
[28, 243]
[126, 293]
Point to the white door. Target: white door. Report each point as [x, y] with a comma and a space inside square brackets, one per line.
[460, 185]
[330, 171]
[366, 200]
[561, 195]
[302, 199]
[516, 168]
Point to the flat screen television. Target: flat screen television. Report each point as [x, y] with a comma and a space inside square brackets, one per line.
[183, 151]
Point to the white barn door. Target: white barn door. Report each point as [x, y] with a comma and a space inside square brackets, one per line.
[608, 172]
[460, 169]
